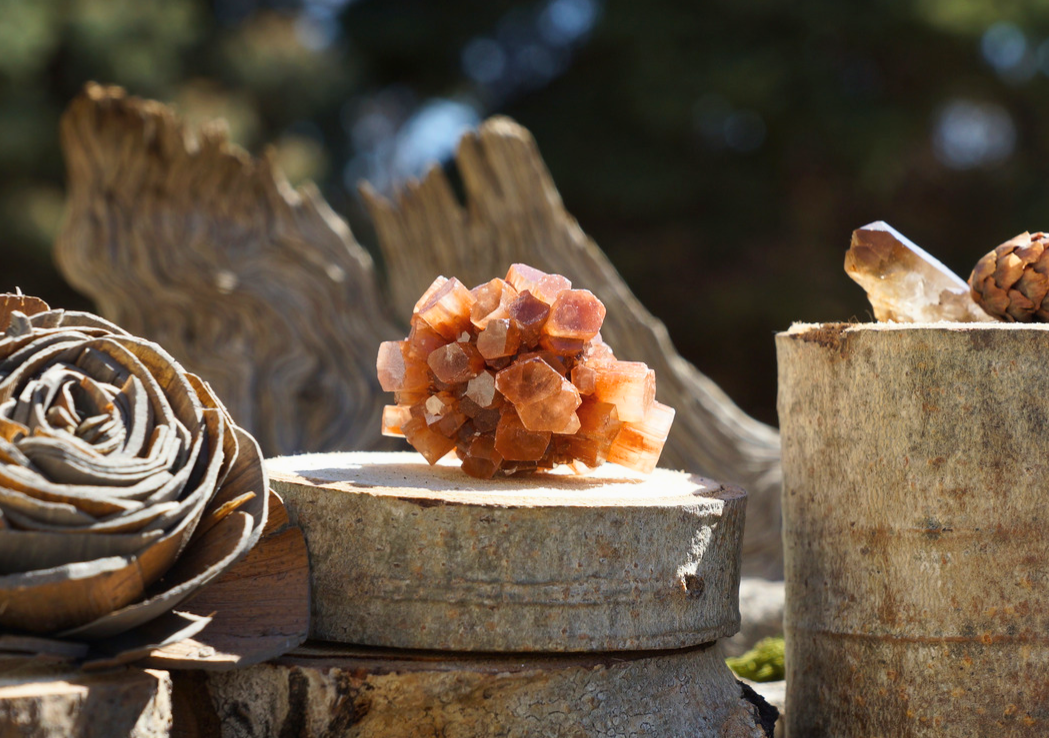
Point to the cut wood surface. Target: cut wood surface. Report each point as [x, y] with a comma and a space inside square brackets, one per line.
[325, 690]
[262, 290]
[914, 507]
[41, 702]
[407, 555]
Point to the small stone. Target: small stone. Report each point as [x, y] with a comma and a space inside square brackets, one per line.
[515, 378]
[903, 282]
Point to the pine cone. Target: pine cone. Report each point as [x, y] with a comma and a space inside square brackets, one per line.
[1011, 283]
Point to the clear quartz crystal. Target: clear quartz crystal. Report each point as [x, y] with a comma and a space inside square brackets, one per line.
[904, 283]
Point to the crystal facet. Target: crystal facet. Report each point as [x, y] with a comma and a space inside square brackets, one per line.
[514, 376]
[903, 282]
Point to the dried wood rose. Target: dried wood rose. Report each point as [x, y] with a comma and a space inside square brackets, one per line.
[1011, 283]
[514, 377]
[124, 486]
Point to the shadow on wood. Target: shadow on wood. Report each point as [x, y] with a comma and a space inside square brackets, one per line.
[263, 291]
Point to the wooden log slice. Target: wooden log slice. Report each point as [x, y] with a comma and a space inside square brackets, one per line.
[407, 555]
[54, 702]
[355, 692]
[917, 563]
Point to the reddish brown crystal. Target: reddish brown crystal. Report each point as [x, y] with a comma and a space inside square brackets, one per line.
[575, 314]
[499, 338]
[514, 376]
[493, 302]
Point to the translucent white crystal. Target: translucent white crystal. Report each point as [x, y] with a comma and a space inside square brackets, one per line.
[904, 283]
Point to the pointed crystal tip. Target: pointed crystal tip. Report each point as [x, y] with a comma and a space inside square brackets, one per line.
[904, 283]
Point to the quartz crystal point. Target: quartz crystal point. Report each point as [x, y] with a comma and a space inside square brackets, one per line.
[903, 282]
[514, 377]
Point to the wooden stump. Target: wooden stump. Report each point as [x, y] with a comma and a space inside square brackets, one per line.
[366, 693]
[917, 565]
[44, 702]
[407, 555]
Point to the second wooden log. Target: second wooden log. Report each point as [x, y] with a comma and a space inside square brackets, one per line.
[325, 690]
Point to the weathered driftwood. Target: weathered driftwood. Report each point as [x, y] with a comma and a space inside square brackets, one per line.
[514, 213]
[325, 690]
[263, 291]
[914, 507]
[407, 555]
[43, 702]
[184, 239]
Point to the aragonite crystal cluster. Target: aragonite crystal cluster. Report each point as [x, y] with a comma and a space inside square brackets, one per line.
[513, 375]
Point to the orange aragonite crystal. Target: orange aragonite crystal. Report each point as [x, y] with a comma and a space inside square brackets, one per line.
[514, 376]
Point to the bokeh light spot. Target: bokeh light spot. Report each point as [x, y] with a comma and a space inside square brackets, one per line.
[970, 134]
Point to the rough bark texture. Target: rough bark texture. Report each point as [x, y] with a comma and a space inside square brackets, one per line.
[914, 503]
[513, 213]
[263, 291]
[51, 703]
[358, 693]
[407, 555]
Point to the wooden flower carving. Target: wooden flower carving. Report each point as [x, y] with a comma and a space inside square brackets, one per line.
[124, 485]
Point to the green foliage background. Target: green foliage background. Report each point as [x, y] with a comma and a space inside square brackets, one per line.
[725, 245]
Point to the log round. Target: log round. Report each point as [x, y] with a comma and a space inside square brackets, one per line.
[407, 555]
[53, 702]
[917, 565]
[326, 690]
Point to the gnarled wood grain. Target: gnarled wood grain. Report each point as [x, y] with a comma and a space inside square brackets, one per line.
[180, 237]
